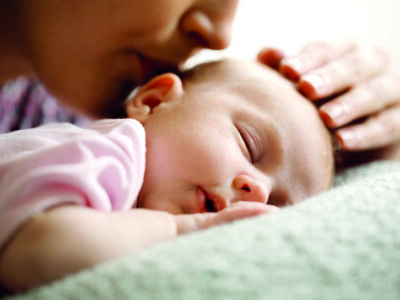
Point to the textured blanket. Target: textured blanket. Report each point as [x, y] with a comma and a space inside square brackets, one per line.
[343, 244]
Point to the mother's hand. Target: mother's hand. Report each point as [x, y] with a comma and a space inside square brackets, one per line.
[367, 90]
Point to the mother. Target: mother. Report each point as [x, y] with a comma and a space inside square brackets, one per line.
[91, 54]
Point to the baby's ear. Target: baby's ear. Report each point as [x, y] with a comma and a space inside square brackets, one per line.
[161, 89]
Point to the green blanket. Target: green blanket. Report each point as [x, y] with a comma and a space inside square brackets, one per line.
[343, 244]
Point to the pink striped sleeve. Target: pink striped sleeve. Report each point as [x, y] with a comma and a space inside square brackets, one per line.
[100, 167]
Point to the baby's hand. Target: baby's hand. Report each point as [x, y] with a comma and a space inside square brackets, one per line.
[237, 211]
[365, 86]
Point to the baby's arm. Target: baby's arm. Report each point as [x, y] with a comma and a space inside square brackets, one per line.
[71, 238]
[68, 239]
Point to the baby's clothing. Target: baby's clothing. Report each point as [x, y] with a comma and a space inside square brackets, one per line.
[101, 167]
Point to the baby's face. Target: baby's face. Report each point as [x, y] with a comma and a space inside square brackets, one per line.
[239, 132]
[92, 53]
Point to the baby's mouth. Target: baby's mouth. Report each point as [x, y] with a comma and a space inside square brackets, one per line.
[208, 202]
[210, 205]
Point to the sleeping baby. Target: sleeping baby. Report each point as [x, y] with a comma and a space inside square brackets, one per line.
[213, 146]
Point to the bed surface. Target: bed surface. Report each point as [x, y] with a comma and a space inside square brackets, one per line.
[343, 244]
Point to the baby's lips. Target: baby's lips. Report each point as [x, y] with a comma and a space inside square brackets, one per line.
[200, 199]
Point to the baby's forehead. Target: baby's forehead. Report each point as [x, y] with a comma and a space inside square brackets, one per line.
[248, 82]
[241, 76]
[263, 83]
[230, 68]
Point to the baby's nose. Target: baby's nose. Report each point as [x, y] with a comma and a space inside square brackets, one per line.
[211, 26]
[249, 189]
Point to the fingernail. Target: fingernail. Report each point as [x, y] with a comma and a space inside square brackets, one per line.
[293, 62]
[336, 113]
[292, 67]
[348, 138]
[314, 80]
[271, 57]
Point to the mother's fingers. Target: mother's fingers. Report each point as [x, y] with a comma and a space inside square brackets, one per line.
[377, 131]
[314, 55]
[271, 57]
[365, 99]
[342, 73]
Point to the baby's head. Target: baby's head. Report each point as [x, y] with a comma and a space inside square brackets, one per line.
[90, 54]
[230, 131]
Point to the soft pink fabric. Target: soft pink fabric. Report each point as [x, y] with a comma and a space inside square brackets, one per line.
[100, 167]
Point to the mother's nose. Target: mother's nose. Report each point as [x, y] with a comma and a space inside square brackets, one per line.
[249, 189]
[210, 24]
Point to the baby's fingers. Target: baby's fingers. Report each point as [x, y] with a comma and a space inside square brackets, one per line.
[377, 131]
[365, 99]
[342, 73]
[314, 55]
[240, 210]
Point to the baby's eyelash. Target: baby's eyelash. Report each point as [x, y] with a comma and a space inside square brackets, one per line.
[246, 143]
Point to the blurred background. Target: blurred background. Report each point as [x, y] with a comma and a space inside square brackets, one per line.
[289, 24]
